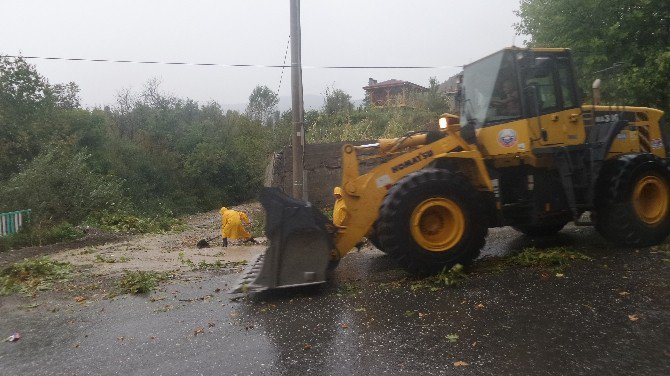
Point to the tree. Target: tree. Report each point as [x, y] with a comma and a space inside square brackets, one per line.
[262, 104]
[602, 34]
[23, 91]
[435, 101]
[336, 101]
[66, 96]
[23, 101]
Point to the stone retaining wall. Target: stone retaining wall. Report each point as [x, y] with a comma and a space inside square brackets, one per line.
[323, 171]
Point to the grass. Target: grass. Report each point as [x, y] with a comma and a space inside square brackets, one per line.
[32, 275]
[139, 282]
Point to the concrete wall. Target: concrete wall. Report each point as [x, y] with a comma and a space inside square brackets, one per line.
[323, 170]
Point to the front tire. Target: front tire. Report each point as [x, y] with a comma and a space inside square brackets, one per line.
[373, 237]
[633, 205]
[432, 219]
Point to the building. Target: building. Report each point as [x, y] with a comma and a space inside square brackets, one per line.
[391, 93]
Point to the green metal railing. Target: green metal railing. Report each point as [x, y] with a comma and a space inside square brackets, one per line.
[11, 223]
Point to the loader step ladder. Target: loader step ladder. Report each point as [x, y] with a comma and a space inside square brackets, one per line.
[11, 222]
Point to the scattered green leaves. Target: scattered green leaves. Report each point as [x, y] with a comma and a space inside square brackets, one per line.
[451, 277]
[663, 249]
[348, 289]
[447, 278]
[557, 258]
[128, 223]
[204, 265]
[139, 282]
[32, 275]
[110, 259]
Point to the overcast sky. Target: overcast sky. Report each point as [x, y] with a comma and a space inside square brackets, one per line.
[334, 32]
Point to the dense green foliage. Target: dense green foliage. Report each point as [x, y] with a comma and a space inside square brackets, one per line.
[151, 156]
[601, 34]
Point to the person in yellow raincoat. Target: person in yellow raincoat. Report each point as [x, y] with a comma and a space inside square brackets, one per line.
[231, 226]
[340, 209]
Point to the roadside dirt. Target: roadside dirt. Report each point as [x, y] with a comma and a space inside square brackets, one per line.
[103, 254]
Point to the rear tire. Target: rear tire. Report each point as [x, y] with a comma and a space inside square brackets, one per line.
[432, 219]
[633, 200]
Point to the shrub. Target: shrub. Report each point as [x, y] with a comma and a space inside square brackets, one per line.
[59, 186]
[34, 234]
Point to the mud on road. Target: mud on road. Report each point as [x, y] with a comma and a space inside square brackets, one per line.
[606, 315]
[105, 254]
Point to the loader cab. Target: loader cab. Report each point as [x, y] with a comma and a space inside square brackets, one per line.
[516, 100]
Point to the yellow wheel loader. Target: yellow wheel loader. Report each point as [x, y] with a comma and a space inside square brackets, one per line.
[524, 152]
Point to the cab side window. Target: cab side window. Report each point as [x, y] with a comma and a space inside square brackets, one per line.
[565, 78]
[541, 80]
[550, 80]
[546, 94]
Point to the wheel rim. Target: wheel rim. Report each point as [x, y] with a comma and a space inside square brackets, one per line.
[437, 224]
[650, 199]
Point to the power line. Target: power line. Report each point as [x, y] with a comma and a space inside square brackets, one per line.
[77, 59]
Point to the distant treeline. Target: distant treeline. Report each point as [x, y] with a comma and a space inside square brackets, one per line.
[151, 155]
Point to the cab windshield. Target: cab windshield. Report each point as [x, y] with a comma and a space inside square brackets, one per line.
[490, 91]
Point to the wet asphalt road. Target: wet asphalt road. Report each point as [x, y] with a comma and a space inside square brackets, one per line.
[605, 316]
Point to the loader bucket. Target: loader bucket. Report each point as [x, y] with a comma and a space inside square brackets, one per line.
[300, 245]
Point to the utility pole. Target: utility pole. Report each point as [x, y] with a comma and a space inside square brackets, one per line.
[297, 139]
